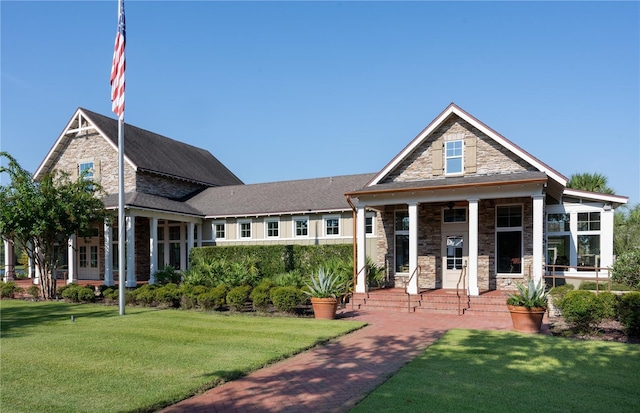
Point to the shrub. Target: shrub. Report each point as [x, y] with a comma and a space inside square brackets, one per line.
[557, 294]
[237, 297]
[582, 310]
[34, 291]
[260, 296]
[608, 303]
[78, 294]
[111, 294]
[629, 313]
[289, 279]
[189, 295]
[213, 298]
[168, 275]
[591, 285]
[144, 295]
[9, 289]
[168, 295]
[286, 299]
[626, 269]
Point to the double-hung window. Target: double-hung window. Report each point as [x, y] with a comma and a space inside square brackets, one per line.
[301, 227]
[331, 225]
[588, 240]
[220, 230]
[244, 228]
[559, 249]
[453, 157]
[272, 228]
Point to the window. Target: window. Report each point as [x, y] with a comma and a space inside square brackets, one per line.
[453, 157]
[454, 215]
[82, 256]
[454, 252]
[509, 239]
[301, 227]
[588, 239]
[245, 229]
[94, 256]
[559, 239]
[368, 224]
[331, 226]
[86, 168]
[558, 222]
[272, 228]
[219, 229]
[174, 246]
[402, 241]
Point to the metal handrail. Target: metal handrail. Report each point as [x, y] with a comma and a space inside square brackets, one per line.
[463, 279]
[406, 288]
[576, 276]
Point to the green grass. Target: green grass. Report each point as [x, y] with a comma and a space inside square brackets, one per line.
[149, 358]
[488, 371]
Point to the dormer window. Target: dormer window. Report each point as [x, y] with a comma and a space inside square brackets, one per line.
[453, 157]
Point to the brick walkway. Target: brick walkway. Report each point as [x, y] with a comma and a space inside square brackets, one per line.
[336, 376]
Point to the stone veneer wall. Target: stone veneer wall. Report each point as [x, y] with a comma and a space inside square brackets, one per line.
[91, 146]
[491, 158]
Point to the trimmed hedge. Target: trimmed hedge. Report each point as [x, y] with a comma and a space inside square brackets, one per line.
[286, 299]
[275, 259]
[237, 297]
[629, 313]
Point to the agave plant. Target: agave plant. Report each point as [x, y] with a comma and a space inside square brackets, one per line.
[529, 295]
[324, 285]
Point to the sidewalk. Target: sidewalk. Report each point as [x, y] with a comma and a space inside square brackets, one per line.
[336, 376]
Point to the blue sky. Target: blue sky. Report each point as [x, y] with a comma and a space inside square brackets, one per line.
[292, 90]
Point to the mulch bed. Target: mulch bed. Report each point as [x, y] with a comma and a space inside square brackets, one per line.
[608, 330]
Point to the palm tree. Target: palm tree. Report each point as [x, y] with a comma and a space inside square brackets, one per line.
[592, 182]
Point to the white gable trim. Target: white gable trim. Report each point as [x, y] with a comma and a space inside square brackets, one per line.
[78, 116]
[596, 196]
[437, 122]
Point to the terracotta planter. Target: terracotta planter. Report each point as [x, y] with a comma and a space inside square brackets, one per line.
[526, 320]
[324, 308]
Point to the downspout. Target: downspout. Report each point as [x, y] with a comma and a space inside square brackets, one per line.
[355, 243]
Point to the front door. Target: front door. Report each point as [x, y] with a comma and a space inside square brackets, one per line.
[88, 258]
[454, 256]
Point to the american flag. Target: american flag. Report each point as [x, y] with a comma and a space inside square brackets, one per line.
[118, 66]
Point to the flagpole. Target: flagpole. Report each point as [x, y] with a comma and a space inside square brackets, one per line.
[121, 224]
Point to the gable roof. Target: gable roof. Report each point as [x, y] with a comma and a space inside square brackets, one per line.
[288, 197]
[453, 109]
[150, 152]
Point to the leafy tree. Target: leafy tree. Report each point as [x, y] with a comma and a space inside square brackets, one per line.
[626, 269]
[626, 235]
[37, 215]
[592, 182]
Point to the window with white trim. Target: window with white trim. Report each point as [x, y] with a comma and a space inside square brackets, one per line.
[272, 228]
[332, 225]
[301, 227]
[559, 249]
[369, 221]
[453, 157]
[220, 229]
[451, 215]
[402, 241]
[244, 228]
[509, 239]
[588, 240]
[86, 168]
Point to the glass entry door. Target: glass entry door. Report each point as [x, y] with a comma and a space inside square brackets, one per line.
[454, 254]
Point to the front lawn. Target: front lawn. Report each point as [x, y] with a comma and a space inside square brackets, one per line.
[489, 371]
[149, 358]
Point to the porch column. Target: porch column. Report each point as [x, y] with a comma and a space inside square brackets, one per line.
[153, 250]
[361, 251]
[131, 251]
[199, 238]
[190, 243]
[72, 275]
[538, 238]
[108, 256]
[183, 250]
[32, 267]
[9, 269]
[606, 238]
[36, 280]
[412, 288]
[472, 265]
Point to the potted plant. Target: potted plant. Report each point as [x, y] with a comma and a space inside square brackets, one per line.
[324, 289]
[527, 306]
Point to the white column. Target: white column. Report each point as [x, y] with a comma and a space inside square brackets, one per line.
[36, 280]
[472, 265]
[606, 239]
[412, 288]
[9, 269]
[361, 249]
[199, 238]
[190, 243]
[108, 256]
[131, 251]
[71, 250]
[538, 236]
[153, 250]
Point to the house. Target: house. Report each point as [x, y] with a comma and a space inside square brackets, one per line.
[458, 199]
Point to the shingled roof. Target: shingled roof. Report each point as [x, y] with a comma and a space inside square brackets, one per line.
[299, 196]
[158, 154]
